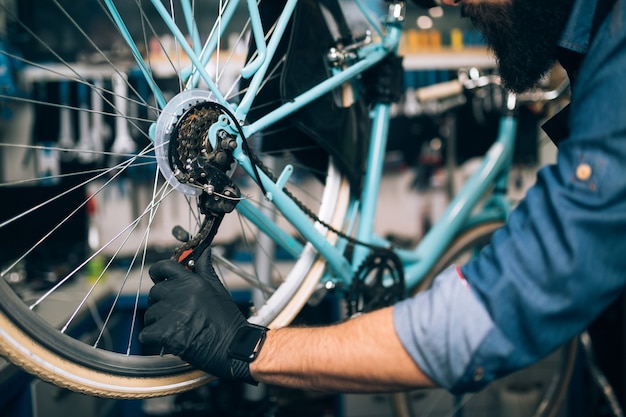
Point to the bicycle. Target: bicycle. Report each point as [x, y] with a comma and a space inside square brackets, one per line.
[201, 145]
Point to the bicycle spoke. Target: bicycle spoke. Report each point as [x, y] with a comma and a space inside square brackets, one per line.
[96, 253]
[150, 210]
[111, 201]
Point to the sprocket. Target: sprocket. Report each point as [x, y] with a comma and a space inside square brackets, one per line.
[379, 282]
[181, 138]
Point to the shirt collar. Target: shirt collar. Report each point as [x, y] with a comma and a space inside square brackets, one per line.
[578, 28]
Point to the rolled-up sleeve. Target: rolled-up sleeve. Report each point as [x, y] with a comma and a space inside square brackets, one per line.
[443, 328]
[559, 261]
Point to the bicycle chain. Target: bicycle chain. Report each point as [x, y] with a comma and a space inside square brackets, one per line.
[385, 295]
[255, 160]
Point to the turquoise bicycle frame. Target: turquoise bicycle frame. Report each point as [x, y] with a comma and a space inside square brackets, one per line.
[418, 261]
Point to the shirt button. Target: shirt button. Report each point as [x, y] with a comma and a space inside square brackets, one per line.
[583, 171]
[479, 373]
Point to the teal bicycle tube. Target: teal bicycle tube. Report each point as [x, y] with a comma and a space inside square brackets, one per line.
[192, 27]
[217, 33]
[263, 56]
[211, 44]
[309, 96]
[373, 175]
[143, 67]
[297, 218]
[369, 56]
[259, 40]
[180, 37]
[270, 228]
[459, 210]
[257, 79]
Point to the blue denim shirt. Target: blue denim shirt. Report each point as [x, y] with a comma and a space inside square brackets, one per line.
[561, 258]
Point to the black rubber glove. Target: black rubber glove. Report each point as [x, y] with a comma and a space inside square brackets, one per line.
[191, 315]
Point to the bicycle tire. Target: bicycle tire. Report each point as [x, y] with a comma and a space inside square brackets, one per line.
[32, 344]
[552, 393]
[30, 341]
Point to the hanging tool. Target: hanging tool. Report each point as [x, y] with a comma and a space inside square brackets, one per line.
[100, 131]
[85, 145]
[123, 144]
[66, 129]
[47, 161]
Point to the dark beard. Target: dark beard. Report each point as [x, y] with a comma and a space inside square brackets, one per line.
[523, 35]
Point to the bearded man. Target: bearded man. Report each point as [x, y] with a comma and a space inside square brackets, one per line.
[559, 261]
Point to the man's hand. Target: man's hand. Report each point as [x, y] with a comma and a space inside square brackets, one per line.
[191, 315]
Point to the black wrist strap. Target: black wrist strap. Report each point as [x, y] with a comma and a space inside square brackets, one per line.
[240, 371]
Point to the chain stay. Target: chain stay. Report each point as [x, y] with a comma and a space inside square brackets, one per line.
[393, 263]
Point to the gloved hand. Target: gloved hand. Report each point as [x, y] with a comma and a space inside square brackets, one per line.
[191, 315]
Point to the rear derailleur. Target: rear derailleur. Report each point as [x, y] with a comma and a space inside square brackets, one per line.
[190, 163]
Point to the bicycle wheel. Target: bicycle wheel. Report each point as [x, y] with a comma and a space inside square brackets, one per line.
[89, 212]
[536, 391]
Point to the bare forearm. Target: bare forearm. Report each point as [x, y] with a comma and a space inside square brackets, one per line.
[360, 355]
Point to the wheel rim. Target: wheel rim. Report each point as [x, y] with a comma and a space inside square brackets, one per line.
[104, 181]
